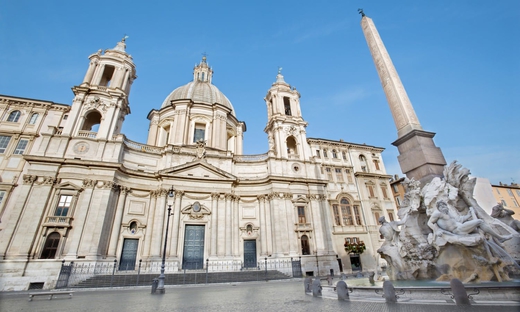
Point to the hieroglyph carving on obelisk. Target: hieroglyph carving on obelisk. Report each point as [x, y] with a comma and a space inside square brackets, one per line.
[402, 111]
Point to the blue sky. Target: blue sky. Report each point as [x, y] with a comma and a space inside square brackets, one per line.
[457, 59]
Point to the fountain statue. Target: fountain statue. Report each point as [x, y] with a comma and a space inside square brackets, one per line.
[444, 234]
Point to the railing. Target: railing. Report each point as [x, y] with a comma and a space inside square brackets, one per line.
[142, 147]
[112, 273]
[57, 221]
[87, 134]
[250, 158]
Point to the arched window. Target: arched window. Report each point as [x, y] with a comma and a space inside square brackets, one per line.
[91, 120]
[14, 116]
[345, 211]
[51, 246]
[306, 249]
[33, 119]
[334, 154]
[291, 146]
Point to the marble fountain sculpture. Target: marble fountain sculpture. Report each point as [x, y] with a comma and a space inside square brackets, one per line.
[444, 234]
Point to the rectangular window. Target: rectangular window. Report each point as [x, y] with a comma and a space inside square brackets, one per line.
[398, 201]
[514, 202]
[370, 190]
[383, 189]
[376, 164]
[349, 176]
[344, 155]
[509, 192]
[20, 148]
[498, 191]
[325, 153]
[2, 195]
[63, 206]
[339, 175]
[329, 173]
[4, 142]
[503, 203]
[287, 106]
[336, 214]
[391, 215]
[199, 133]
[357, 215]
[346, 214]
[518, 192]
[301, 215]
[318, 154]
[396, 189]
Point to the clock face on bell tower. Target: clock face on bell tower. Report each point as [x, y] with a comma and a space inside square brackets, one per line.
[81, 148]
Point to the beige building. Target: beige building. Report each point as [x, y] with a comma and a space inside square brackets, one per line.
[508, 196]
[73, 188]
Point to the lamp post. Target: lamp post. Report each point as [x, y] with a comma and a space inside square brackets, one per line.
[160, 285]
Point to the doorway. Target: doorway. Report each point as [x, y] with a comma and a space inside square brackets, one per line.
[193, 255]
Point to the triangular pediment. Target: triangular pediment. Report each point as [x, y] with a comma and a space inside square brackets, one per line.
[198, 169]
[68, 186]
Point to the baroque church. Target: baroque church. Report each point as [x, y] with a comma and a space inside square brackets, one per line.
[74, 188]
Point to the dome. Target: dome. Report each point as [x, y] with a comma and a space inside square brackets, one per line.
[200, 90]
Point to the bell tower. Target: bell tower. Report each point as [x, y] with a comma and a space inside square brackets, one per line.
[285, 126]
[101, 101]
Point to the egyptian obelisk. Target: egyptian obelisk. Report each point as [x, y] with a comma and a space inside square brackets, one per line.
[419, 158]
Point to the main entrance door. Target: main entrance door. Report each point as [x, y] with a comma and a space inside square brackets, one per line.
[250, 254]
[193, 255]
[128, 254]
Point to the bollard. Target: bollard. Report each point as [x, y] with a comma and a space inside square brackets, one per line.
[316, 288]
[389, 292]
[459, 292]
[155, 283]
[342, 290]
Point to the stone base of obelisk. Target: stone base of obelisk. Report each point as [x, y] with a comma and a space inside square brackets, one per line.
[419, 158]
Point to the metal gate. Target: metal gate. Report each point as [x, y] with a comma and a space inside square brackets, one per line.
[296, 268]
[250, 254]
[128, 255]
[63, 279]
[193, 255]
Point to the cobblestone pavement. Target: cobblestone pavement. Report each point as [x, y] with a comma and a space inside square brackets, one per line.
[252, 296]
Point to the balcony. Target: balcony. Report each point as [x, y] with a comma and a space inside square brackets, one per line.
[58, 221]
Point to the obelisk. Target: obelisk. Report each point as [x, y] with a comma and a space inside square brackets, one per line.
[419, 158]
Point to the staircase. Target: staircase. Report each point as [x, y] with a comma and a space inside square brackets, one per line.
[197, 277]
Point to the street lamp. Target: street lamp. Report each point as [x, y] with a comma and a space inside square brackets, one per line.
[160, 285]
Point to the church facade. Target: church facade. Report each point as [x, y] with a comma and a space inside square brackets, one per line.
[73, 188]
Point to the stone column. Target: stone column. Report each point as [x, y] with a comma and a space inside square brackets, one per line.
[159, 223]
[229, 224]
[317, 223]
[239, 145]
[176, 223]
[263, 225]
[116, 227]
[149, 224]
[90, 72]
[236, 234]
[214, 223]
[275, 224]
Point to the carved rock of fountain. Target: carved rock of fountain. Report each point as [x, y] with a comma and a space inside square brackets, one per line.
[444, 234]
